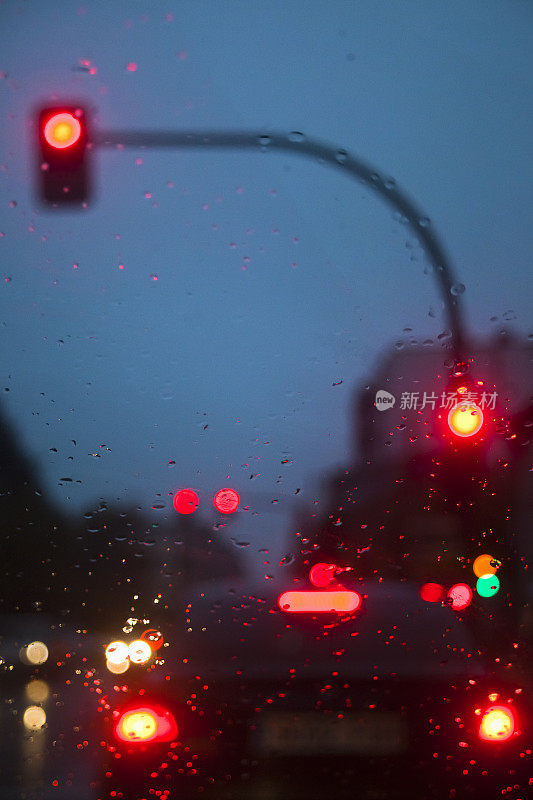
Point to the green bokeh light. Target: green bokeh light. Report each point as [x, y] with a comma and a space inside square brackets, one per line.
[487, 585]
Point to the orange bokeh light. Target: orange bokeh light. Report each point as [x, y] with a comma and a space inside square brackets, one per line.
[319, 602]
[485, 565]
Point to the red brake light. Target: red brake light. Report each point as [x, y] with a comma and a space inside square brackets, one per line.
[62, 130]
[146, 724]
[319, 602]
[497, 724]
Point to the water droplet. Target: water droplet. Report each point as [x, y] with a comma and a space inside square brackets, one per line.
[424, 222]
[390, 183]
[457, 289]
[264, 141]
[296, 136]
[341, 156]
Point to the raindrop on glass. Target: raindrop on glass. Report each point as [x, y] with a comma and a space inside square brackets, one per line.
[457, 289]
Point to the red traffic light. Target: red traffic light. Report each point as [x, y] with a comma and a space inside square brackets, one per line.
[226, 501]
[63, 147]
[465, 419]
[185, 501]
[62, 130]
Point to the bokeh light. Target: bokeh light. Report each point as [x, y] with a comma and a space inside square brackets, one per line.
[36, 653]
[62, 130]
[460, 596]
[319, 602]
[465, 419]
[145, 724]
[321, 574]
[431, 592]
[116, 652]
[487, 585]
[37, 691]
[118, 668]
[137, 726]
[139, 651]
[485, 565]
[497, 724]
[185, 501]
[153, 637]
[226, 501]
[34, 718]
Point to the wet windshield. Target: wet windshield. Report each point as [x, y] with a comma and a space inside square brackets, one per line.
[266, 413]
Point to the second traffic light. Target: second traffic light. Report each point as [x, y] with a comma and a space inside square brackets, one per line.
[63, 152]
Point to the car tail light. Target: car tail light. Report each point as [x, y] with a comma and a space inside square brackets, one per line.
[320, 602]
[148, 723]
[497, 724]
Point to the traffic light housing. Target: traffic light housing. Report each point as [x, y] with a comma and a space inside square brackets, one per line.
[63, 153]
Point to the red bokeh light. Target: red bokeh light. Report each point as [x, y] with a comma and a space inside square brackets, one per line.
[460, 596]
[147, 723]
[431, 592]
[497, 724]
[153, 637]
[185, 501]
[226, 501]
[322, 574]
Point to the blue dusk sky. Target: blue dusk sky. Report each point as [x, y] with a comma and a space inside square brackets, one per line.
[217, 309]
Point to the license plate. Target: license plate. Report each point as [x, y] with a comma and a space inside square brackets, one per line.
[378, 734]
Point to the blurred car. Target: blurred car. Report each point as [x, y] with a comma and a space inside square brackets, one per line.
[391, 700]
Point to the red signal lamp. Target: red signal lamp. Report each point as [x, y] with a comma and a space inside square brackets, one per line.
[146, 723]
[185, 501]
[498, 724]
[465, 419]
[226, 501]
[62, 130]
[63, 155]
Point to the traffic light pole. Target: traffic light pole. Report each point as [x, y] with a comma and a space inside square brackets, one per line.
[321, 152]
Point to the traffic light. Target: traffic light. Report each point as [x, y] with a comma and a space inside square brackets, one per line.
[63, 156]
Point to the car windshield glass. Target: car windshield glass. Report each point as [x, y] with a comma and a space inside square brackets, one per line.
[266, 413]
